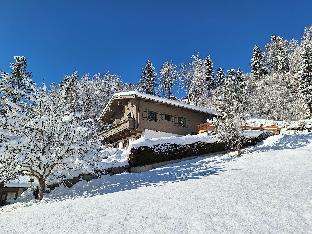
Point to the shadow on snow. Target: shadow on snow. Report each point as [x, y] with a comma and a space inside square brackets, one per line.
[287, 141]
[172, 173]
[181, 171]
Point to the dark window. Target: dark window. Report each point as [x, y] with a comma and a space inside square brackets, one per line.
[182, 121]
[176, 120]
[144, 114]
[168, 117]
[152, 116]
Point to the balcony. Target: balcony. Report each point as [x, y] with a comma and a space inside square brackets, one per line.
[120, 130]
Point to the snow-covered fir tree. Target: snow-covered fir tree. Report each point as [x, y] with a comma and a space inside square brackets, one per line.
[148, 79]
[220, 77]
[231, 102]
[239, 75]
[184, 80]
[231, 75]
[198, 90]
[17, 85]
[277, 55]
[168, 76]
[69, 87]
[257, 63]
[16, 90]
[209, 73]
[305, 72]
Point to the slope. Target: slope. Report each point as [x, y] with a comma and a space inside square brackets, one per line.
[268, 189]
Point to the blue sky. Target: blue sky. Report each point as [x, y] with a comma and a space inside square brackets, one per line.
[59, 37]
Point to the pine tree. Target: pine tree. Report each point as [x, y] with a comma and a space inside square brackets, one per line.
[17, 86]
[239, 75]
[17, 97]
[231, 102]
[277, 55]
[148, 79]
[209, 73]
[69, 89]
[305, 73]
[257, 63]
[220, 77]
[198, 91]
[231, 75]
[168, 75]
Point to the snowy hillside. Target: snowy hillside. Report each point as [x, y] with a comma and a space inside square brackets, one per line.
[268, 189]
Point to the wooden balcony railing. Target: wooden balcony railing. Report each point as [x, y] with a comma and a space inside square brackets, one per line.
[124, 125]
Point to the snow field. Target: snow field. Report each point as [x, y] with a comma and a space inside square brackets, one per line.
[267, 190]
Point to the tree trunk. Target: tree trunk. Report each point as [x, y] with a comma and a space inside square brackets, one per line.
[41, 188]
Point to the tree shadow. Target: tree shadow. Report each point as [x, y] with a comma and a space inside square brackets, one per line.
[181, 171]
[286, 141]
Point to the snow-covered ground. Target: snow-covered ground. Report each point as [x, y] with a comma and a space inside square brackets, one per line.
[267, 190]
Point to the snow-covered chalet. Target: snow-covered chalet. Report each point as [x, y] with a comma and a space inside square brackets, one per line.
[130, 115]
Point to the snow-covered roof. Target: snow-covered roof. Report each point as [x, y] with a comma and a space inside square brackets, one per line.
[160, 100]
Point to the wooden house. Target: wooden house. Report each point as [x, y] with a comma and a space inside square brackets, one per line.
[130, 115]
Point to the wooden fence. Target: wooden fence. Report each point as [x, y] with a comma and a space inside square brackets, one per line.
[208, 127]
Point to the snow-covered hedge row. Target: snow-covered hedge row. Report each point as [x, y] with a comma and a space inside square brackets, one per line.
[144, 151]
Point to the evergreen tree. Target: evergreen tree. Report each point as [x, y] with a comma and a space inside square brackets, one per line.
[220, 77]
[277, 54]
[148, 79]
[198, 91]
[17, 97]
[209, 73]
[231, 103]
[231, 75]
[17, 86]
[185, 78]
[239, 75]
[69, 89]
[257, 63]
[305, 73]
[168, 75]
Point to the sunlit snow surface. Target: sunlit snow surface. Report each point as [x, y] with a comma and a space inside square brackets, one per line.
[266, 190]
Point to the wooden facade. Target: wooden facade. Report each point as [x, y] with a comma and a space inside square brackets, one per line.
[8, 193]
[130, 115]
